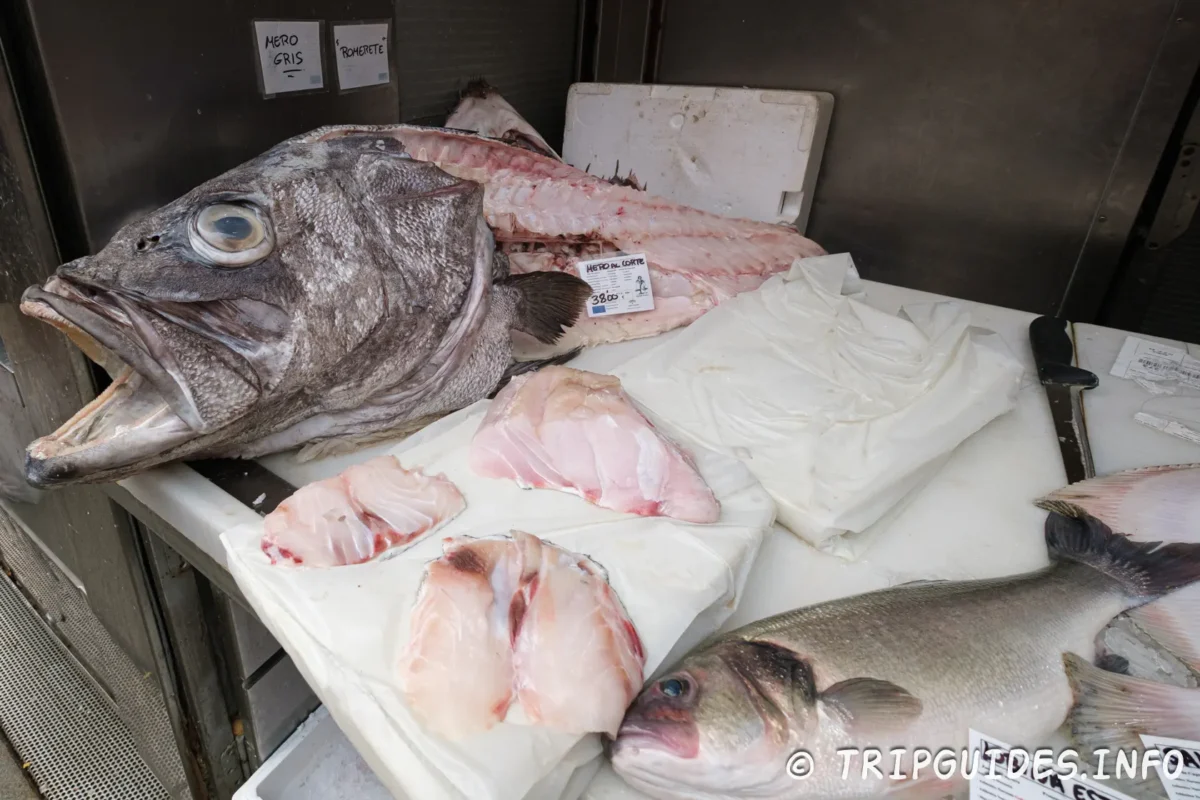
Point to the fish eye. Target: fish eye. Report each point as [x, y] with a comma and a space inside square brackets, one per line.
[673, 687]
[230, 234]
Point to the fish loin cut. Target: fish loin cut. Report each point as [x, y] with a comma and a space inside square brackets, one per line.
[504, 619]
[317, 527]
[369, 509]
[575, 634]
[400, 504]
[457, 670]
[576, 431]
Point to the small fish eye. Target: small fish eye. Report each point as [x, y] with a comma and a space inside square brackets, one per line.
[673, 687]
[231, 235]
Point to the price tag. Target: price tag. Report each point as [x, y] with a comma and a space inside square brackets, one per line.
[620, 285]
[1180, 758]
[362, 54]
[289, 55]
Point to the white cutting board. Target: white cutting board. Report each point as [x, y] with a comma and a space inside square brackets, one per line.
[1119, 443]
[749, 153]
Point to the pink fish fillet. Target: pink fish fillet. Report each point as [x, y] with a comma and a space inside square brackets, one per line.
[369, 509]
[576, 634]
[1154, 504]
[562, 428]
[548, 215]
[457, 669]
[504, 619]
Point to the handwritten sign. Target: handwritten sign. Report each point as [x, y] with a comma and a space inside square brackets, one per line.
[620, 284]
[362, 54]
[289, 52]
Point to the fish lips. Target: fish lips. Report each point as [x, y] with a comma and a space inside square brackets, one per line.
[679, 739]
[118, 324]
[147, 409]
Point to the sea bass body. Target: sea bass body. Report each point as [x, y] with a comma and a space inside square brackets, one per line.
[915, 666]
[324, 289]
[547, 215]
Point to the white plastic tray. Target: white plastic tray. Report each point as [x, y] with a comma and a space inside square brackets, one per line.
[749, 153]
[317, 762]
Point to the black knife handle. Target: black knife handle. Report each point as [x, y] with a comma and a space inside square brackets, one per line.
[1053, 353]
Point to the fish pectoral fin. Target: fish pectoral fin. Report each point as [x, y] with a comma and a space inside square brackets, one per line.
[867, 703]
[548, 302]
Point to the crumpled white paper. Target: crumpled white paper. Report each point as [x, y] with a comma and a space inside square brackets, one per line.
[841, 410]
[345, 627]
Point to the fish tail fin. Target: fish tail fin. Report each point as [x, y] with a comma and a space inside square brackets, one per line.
[1112, 710]
[1144, 570]
[1164, 510]
[1174, 622]
[477, 87]
[547, 303]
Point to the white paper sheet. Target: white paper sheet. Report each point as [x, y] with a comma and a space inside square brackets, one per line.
[841, 410]
[344, 627]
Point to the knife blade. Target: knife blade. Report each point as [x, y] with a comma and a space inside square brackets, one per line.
[1065, 383]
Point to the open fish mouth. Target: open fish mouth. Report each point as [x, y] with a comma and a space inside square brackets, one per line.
[146, 410]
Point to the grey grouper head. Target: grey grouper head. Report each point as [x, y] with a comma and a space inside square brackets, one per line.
[325, 288]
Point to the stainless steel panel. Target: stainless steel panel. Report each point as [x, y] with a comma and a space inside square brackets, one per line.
[279, 701]
[253, 643]
[26, 242]
[134, 694]
[58, 721]
[152, 98]
[974, 145]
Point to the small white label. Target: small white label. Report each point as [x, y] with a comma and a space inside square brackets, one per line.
[1003, 772]
[620, 285]
[1152, 361]
[362, 54]
[290, 55]
[1181, 758]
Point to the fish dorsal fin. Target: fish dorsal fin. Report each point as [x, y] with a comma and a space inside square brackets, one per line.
[921, 582]
[870, 704]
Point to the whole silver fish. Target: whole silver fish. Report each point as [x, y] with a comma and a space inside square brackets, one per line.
[915, 666]
[326, 289]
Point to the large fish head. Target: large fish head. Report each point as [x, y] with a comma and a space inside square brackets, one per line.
[720, 723]
[219, 313]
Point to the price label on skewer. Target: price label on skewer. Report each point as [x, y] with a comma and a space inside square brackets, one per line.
[620, 284]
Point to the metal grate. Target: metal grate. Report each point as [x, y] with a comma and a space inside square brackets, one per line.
[57, 720]
[135, 694]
